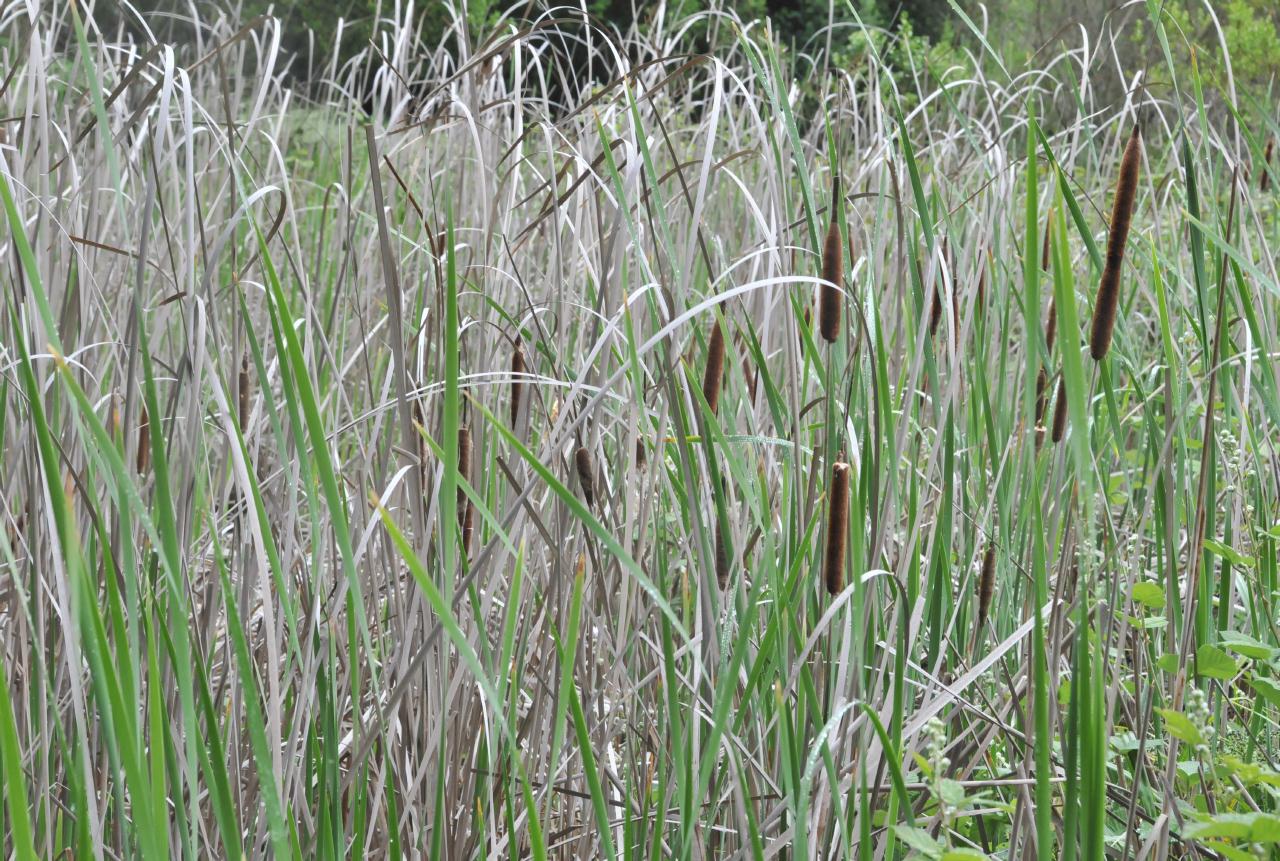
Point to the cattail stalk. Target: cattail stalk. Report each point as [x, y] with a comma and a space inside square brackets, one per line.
[1104, 310]
[582, 460]
[829, 304]
[837, 529]
[714, 375]
[518, 369]
[986, 584]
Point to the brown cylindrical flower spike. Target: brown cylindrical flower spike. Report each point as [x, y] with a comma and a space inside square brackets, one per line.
[829, 297]
[714, 375]
[582, 460]
[986, 584]
[518, 369]
[243, 393]
[837, 528]
[1104, 310]
[465, 514]
[1060, 412]
[144, 440]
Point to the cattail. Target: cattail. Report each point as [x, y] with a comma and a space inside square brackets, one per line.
[582, 459]
[808, 325]
[1060, 412]
[752, 376]
[1265, 182]
[466, 515]
[1042, 383]
[837, 529]
[935, 310]
[1051, 325]
[1104, 311]
[518, 368]
[1044, 249]
[144, 441]
[722, 557]
[642, 456]
[986, 584]
[242, 394]
[829, 305]
[715, 368]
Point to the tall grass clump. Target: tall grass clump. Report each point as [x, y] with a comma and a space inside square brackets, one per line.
[358, 496]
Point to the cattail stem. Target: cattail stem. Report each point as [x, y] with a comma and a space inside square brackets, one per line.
[582, 460]
[714, 375]
[837, 529]
[1104, 310]
[829, 299]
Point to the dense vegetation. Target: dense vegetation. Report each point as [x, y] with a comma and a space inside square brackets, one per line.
[665, 440]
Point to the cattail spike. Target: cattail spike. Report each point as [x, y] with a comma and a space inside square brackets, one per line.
[144, 441]
[1104, 310]
[1264, 183]
[582, 460]
[642, 456]
[722, 557]
[986, 584]
[465, 513]
[242, 394]
[1060, 412]
[837, 529]
[714, 375]
[518, 369]
[829, 299]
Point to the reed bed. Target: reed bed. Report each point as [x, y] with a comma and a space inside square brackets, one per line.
[358, 494]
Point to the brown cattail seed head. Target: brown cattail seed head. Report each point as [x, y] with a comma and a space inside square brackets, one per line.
[144, 440]
[1042, 383]
[1044, 249]
[1264, 183]
[582, 460]
[829, 305]
[837, 529]
[242, 394]
[464, 474]
[722, 556]
[1060, 412]
[642, 456]
[518, 370]
[986, 584]
[1104, 310]
[714, 375]
[935, 312]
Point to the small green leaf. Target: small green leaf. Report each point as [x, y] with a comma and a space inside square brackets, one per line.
[1213, 663]
[1267, 689]
[919, 840]
[952, 792]
[1180, 727]
[1148, 594]
[1246, 645]
[1168, 662]
[1230, 554]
